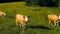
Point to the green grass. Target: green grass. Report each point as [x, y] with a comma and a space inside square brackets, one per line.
[38, 17]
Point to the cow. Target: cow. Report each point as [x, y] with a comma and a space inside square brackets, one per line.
[54, 19]
[2, 13]
[21, 19]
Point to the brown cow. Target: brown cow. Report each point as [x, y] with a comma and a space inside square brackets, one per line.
[2, 13]
[53, 18]
[21, 19]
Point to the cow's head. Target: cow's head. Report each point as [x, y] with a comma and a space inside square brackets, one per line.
[26, 18]
[4, 14]
[59, 16]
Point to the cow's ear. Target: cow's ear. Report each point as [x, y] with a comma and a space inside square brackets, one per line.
[23, 16]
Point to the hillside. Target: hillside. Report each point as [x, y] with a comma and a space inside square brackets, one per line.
[38, 17]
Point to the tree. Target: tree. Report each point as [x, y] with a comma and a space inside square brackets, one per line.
[49, 3]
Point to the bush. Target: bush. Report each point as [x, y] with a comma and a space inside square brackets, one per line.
[42, 2]
[31, 2]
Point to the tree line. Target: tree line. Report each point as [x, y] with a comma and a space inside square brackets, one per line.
[49, 3]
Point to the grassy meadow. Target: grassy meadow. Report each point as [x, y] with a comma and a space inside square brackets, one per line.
[38, 19]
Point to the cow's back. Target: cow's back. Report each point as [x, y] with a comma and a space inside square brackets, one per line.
[53, 17]
[20, 19]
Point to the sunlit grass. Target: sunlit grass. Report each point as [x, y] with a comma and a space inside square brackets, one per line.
[38, 17]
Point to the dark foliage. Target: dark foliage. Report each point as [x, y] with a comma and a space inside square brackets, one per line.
[4, 1]
[47, 3]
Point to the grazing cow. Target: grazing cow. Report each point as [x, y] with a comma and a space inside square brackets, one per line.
[53, 18]
[21, 19]
[2, 13]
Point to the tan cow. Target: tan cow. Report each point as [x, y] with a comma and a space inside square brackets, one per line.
[53, 18]
[2, 13]
[21, 19]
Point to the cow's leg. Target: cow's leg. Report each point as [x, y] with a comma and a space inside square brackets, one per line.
[54, 23]
[20, 25]
[23, 25]
[16, 23]
[49, 22]
[57, 24]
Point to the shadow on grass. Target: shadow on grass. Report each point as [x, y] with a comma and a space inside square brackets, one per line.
[40, 27]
